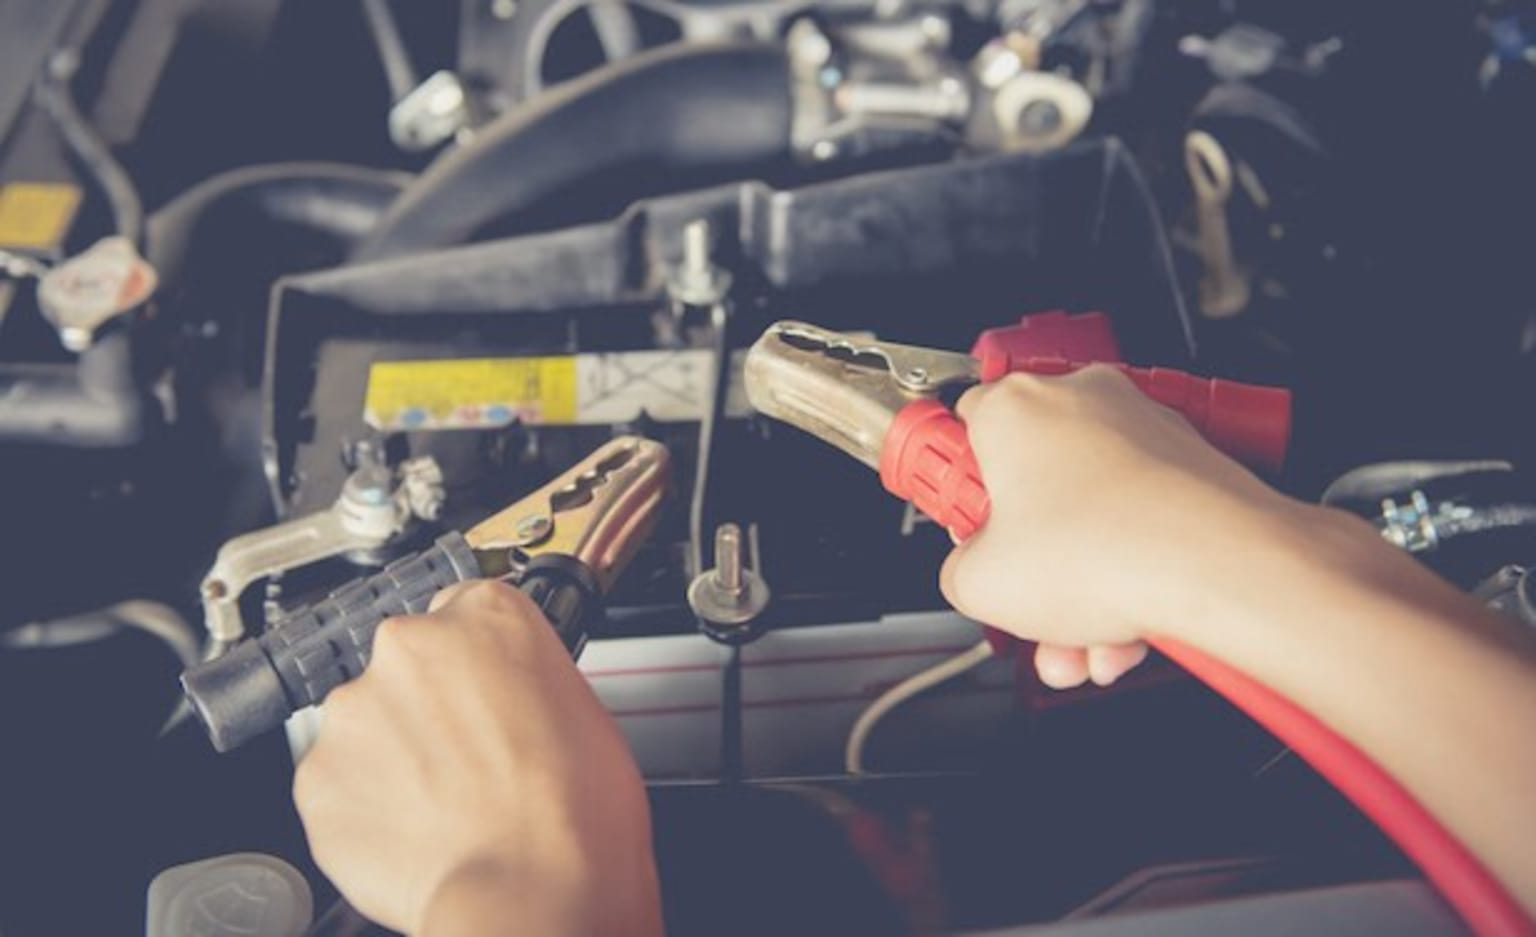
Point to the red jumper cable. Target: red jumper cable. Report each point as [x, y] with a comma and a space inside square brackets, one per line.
[878, 401]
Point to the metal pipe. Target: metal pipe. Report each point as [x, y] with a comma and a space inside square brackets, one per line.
[393, 54]
[675, 109]
[53, 95]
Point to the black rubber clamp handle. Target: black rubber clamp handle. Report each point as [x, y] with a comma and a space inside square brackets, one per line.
[262, 681]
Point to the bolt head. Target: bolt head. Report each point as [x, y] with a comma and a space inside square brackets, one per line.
[727, 609]
[532, 529]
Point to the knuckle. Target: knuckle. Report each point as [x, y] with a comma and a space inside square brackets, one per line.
[490, 592]
[393, 637]
[498, 601]
[342, 704]
[1101, 373]
[1020, 386]
[1005, 399]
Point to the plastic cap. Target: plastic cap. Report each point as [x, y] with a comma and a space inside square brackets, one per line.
[245, 893]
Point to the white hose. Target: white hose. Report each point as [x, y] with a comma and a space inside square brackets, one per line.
[923, 680]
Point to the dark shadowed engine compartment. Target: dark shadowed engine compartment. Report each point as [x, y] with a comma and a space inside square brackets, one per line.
[253, 251]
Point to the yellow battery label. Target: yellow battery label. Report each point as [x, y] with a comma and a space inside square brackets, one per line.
[36, 215]
[594, 388]
[470, 393]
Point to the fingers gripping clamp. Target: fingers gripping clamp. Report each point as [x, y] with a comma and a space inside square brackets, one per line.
[563, 545]
[878, 401]
[298, 661]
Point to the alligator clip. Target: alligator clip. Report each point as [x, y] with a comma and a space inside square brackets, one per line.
[598, 512]
[880, 401]
[563, 546]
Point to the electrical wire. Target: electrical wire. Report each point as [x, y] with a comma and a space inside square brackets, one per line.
[731, 761]
[393, 54]
[920, 682]
[698, 503]
[20, 266]
[615, 27]
[1481, 900]
[152, 618]
[720, 348]
[54, 96]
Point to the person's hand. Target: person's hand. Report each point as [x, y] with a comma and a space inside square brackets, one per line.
[1105, 508]
[470, 782]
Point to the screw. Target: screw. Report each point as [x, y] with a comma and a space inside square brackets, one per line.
[995, 64]
[728, 560]
[809, 47]
[503, 9]
[697, 280]
[532, 529]
[696, 245]
[824, 150]
[935, 29]
[917, 376]
[1039, 118]
[729, 595]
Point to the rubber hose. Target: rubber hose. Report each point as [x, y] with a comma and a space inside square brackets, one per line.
[95, 403]
[1483, 902]
[1368, 484]
[339, 200]
[677, 109]
[1486, 519]
[54, 95]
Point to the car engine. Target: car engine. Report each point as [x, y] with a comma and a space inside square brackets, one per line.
[289, 290]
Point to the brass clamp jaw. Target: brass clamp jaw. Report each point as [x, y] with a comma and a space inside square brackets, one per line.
[564, 545]
[884, 403]
[599, 512]
[375, 507]
[846, 389]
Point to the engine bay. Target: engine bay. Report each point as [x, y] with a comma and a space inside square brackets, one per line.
[290, 291]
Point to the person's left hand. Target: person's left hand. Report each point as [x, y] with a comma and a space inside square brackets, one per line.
[470, 782]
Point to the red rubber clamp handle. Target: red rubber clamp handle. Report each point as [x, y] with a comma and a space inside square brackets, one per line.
[1087, 336]
[927, 460]
[927, 456]
[1250, 423]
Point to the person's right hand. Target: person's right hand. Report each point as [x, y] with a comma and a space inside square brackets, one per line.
[1107, 508]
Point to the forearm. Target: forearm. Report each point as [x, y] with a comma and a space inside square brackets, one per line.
[1440, 692]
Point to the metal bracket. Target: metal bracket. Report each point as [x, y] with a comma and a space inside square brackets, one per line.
[374, 508]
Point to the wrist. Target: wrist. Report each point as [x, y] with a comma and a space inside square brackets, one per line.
[491, 896]
[488, 896]
[1258, 553]
[1267, 554]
